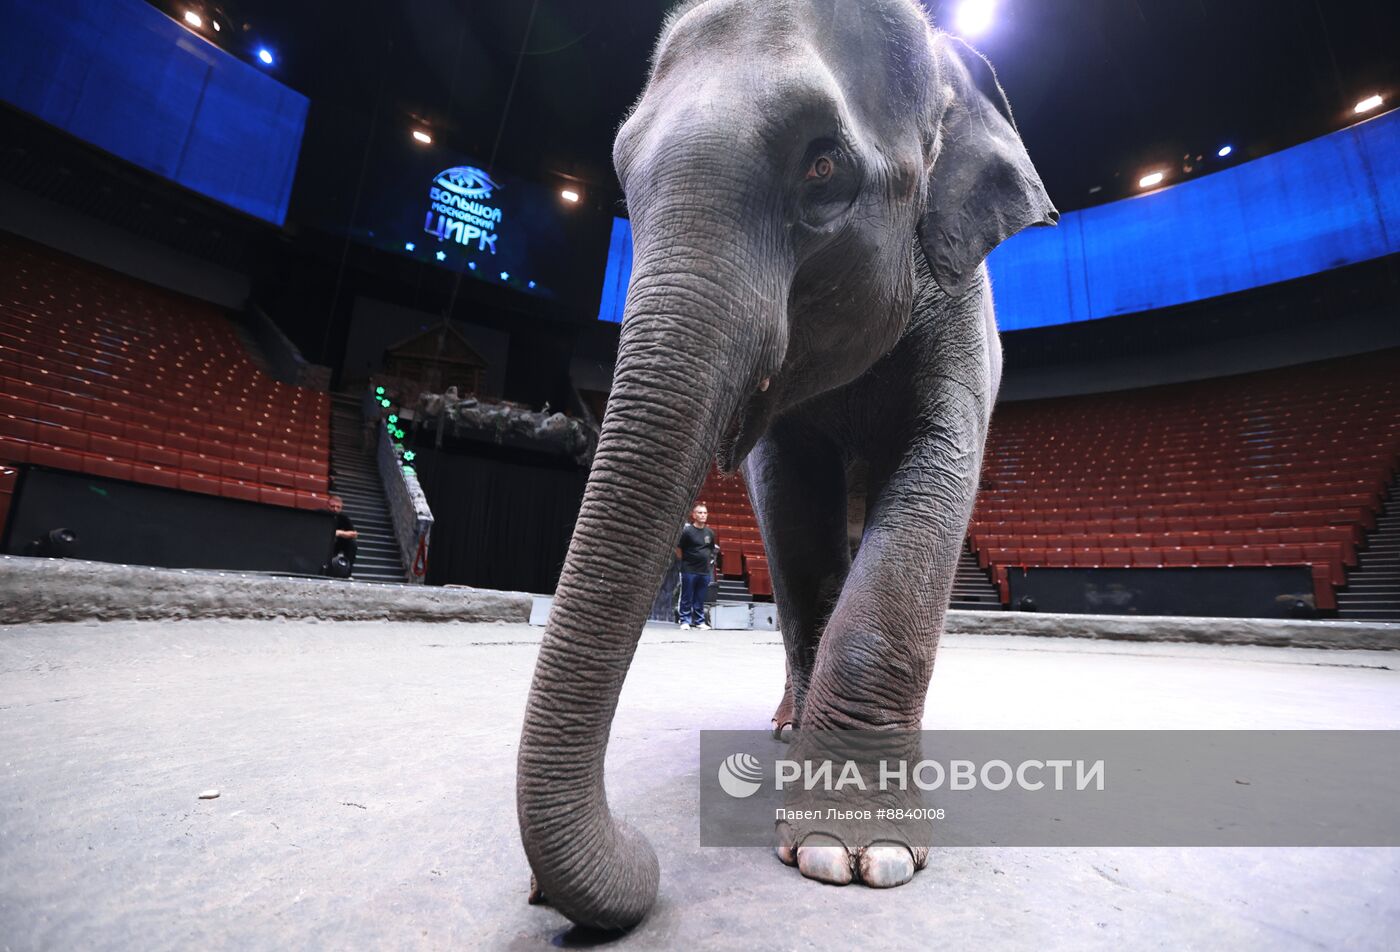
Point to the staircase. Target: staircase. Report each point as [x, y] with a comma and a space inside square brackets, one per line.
[972, 586]
[355, 475]
[733, 590]
[1373, 588]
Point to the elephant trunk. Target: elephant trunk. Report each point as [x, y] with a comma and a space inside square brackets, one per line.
[693, 351]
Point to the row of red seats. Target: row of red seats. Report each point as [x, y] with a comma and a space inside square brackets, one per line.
[66, 441]
[29, 420]
[1317, 553]
[234, 408]
[1345, 536]
[1149, 524]
[1041, 498]
[16, 453]
[99, 395]
[1367, 502]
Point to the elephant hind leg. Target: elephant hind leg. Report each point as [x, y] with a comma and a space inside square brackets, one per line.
[797, 484]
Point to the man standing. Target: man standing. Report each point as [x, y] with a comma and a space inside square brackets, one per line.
[697, 550]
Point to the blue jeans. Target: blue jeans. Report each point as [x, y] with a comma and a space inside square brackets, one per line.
[694, 588]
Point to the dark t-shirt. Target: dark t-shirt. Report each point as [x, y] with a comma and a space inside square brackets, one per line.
[697, 549]
[342, 521]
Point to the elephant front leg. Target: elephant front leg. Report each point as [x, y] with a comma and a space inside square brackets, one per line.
[872, 669]
[797, 484]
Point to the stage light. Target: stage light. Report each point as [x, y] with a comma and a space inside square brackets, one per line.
[384, 402]
[215, 25]
[379, 391]
[194, 19]
[265, 56]
[409, 456]
[393, 418]
[505, 275]
[532, 285]
[1150, 179]
[1225, 150]
[422, 137]
[442, 256]
[569, 195]
[1367, 104]
[472, 265]
[974, 17]
[409, 246]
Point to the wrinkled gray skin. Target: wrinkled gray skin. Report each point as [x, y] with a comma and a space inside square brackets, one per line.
[857, 292]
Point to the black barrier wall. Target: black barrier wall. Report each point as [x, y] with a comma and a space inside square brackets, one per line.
[1237, 592]
[498, 523]
[133, 524]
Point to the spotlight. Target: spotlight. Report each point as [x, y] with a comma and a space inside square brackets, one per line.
[422, 137]
[197, 21]
[1367, 104]
[215, 25]
[472, 265]
[505, 275]
[265, 56]
[569, 195]
[1150, 179]
[442, 256]
[1225, 150]
[974, 17]
[409, 246]
[532, 285]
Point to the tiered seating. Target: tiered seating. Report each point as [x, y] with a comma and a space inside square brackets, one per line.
[105, 375]
[732, 518]
[1285, 467]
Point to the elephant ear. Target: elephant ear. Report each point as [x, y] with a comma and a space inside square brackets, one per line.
[982, 187]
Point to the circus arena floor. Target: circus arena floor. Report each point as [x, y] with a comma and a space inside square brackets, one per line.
[365, 778]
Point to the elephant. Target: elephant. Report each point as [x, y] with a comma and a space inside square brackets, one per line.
[813, 187]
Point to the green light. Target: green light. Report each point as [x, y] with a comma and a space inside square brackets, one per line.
[398, 434]
[379, 391]
[384, 403]
[393, 418]
[409, 456]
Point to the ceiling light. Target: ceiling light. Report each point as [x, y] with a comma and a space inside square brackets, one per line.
[1225, 150]
[1367, 104]
[265, 56]
[197, 21]
[422, 137]
[974, 17]
[569, 195]
[215, 25]
[1150, 179]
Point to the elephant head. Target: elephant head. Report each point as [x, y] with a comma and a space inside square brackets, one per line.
[778, 167]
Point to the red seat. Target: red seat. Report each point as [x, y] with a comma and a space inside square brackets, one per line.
[1177, 556]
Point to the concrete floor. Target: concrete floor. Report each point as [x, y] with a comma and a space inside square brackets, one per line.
[366, 781]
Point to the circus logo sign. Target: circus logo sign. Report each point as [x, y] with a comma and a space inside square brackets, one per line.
[461, 209]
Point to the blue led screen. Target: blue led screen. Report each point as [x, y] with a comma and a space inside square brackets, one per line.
[1326, 203]
[617, 273]
[125, 77]
[444, 208]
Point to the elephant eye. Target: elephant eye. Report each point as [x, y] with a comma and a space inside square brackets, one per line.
[821, 169]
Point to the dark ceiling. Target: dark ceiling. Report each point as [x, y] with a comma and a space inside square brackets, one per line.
[1103, 89]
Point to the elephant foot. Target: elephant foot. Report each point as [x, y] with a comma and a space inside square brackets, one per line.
[874, 829]
[785, 717]
[826, 858]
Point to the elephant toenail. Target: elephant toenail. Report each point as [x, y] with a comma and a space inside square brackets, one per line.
[824, 859]
[885, 866]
